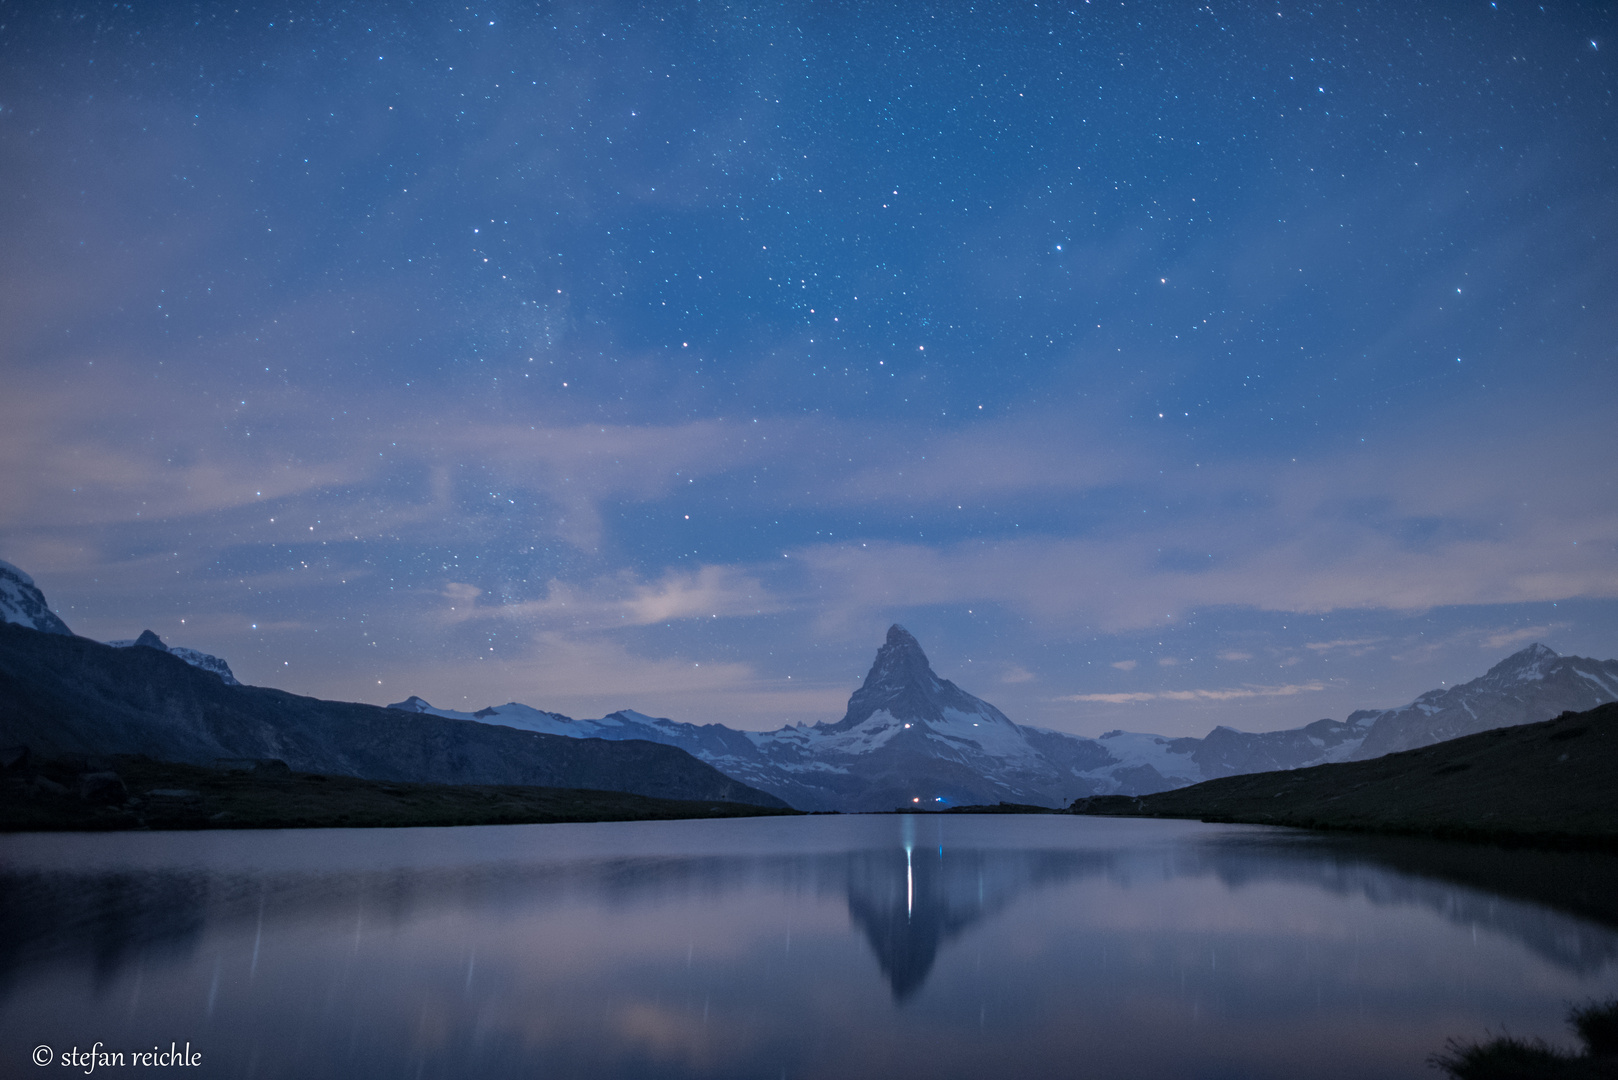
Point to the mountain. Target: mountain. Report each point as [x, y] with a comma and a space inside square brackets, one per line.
[66, 695]
[1550, 781]
[194, 657]
[910, 738]
[1528, 686]
[735, 753]
[22, 603]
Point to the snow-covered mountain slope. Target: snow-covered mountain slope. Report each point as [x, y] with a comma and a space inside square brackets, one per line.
[21, 602]
[735, 753]
[194, 657]
[1526, 687]
[910, 738]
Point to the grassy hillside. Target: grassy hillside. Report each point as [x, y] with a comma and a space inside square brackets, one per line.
[67, 794]
[1554, 782]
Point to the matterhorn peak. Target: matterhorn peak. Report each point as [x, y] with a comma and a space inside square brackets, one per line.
[898, 635]
[900, 660]
[901, 683]
[151, 641]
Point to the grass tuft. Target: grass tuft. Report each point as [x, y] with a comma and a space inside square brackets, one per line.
[1508, 1058]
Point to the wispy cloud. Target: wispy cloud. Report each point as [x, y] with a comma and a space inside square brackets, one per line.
[709, 592]
[1500, 639]
[1355, 532]
[1353, 646]
[1234, 694]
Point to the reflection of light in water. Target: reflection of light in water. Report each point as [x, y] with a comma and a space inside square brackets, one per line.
[908, 830]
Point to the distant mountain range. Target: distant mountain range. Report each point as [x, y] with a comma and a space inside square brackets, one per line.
[911, 738]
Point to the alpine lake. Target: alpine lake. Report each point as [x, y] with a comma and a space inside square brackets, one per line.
[843, 947]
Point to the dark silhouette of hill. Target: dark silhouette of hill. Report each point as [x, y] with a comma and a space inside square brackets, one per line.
[62, 695]
[1550, 782]
[138, 793]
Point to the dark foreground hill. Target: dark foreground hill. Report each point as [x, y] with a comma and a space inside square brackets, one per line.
[138, 793]
[1551, 782]
[62, 695]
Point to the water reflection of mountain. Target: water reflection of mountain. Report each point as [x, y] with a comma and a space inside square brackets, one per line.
[909, 904]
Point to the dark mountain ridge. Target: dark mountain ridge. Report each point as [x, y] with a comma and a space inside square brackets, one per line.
[1549, 782]
[63, 695]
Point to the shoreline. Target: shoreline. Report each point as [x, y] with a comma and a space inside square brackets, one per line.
[132, 793]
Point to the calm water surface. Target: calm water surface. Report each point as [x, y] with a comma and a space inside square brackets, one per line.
[830, 947]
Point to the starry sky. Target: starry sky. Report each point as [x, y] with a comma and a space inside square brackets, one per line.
[1157, 365]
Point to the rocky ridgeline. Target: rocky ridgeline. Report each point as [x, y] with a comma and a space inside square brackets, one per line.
[911, 738]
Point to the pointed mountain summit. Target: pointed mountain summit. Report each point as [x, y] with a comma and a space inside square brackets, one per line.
[910, 738]
[1526, 665]
[902, 684]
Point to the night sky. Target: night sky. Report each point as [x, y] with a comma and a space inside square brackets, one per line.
[1157, 365]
